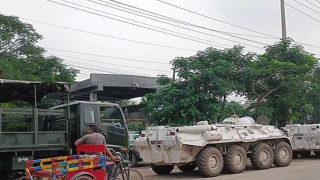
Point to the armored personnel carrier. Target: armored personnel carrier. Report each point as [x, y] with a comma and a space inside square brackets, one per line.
[305, 139]
[213, 147]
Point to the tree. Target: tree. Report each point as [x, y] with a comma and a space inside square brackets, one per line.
[22, 59]
[282, 83]
[231, 107]
[280, 79]
[200, 92]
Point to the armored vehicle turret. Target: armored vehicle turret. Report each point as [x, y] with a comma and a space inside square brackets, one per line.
[213, 147]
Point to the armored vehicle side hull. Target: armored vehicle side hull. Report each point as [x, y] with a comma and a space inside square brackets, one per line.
[305, 139]
[211, 147]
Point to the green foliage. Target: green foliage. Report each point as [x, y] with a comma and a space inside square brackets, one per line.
[204, 80]
[136, 126]
[282, 84]
[22, 59]
[281, 77]
[231, 107]
[15, 127]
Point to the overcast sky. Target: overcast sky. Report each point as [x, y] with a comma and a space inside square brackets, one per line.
[122, 48]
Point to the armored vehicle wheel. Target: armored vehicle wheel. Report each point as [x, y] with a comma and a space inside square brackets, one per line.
[187, 168]
[210, 162]
[235, 159]
[162, 170]
[295, 154]
[261, 156]
[282, 154]
[305, 154]
[317, 153]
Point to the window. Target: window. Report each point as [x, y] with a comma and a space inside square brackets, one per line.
[110, 115]
[88, 115]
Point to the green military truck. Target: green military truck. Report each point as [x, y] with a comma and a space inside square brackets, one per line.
[28, 130]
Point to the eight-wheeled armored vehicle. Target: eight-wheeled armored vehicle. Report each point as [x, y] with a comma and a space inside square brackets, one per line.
[305, 138]
[213, 147]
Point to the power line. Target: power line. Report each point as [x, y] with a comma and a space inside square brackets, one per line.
[141, 25]
[121, 65]
[97, 68]
[88, 67]
[156, 15]
[306, 6]
[216, 19]
[169, 24]
[313, 4]
[169, 18]
[231, 23]
[302, 12]
[91, 68]
[308, 44]
[103, 35]
[111, 57]
[185, 23]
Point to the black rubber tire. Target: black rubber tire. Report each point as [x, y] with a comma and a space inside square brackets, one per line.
[24, 178]
[84, 177]
[210, 162]
[305, 154]
[162, 170]
[282, 154]
[295, 155]
[4, 175]
[133, 175]
[235, 159]
[187, 168]
[259, 150]
[317, 153]
[133, 160]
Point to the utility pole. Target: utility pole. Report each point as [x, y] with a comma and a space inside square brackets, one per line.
[283, 20]
[174, 73]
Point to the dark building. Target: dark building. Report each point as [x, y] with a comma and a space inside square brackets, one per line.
[112, 87]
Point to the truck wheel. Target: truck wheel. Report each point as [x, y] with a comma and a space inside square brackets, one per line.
[162, 170]
[295, 154]
[4, 175]
[305, 154]
[210, 162]
[235, 159]
[282, 154]
[187, 168]
[23, 178]
[317, 153]
[261, 156]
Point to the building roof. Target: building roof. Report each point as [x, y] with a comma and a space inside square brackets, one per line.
[113, 87]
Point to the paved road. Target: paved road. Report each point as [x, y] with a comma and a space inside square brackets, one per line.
[299, 169]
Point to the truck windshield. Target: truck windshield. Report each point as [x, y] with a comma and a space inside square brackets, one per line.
[110, 115]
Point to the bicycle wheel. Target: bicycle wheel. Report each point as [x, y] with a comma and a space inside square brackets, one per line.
[130, 174]
[84, 177]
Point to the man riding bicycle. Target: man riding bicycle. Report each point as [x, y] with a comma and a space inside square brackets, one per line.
[93, 137]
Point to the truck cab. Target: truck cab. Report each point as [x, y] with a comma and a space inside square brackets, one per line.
[109, 118]
[30, 129]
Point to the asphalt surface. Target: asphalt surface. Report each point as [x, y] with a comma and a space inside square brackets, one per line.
[299, 169]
